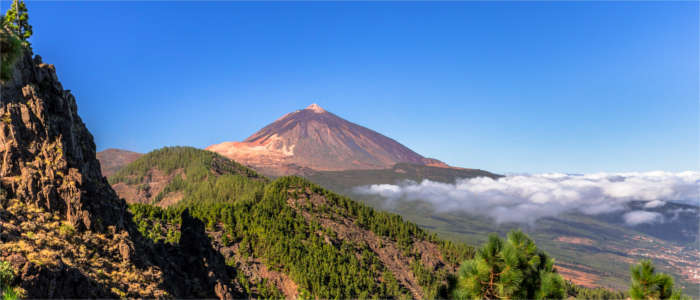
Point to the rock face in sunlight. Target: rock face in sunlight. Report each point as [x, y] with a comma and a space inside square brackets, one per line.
[63, 229]
[315, 139]
[48, 156]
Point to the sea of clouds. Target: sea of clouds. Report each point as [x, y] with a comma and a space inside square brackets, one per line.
[526, 198]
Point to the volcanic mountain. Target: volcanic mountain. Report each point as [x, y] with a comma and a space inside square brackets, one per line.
[315, 139]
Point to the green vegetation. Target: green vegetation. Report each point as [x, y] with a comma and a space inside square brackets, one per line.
[286, 240]
[511, 269]
[66, 229]
[579, 292]
[17, 19]
[157, 224]
[7, 278]
[201, 176]
[646, 284]
[288, 225]
[11, 48]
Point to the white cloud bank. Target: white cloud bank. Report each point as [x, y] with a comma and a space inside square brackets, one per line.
[640, 217]
[526, 198]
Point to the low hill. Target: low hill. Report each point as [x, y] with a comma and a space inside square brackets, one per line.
[172, 174]
[111, 160]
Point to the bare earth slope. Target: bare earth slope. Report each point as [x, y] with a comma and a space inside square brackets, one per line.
[314, 138]
[111, 160]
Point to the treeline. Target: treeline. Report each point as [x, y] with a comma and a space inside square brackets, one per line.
[579, 292]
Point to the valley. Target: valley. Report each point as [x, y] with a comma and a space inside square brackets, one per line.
[592, 250]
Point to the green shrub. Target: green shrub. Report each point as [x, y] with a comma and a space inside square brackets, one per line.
[11, 49]
[7, 277]
[66, 229]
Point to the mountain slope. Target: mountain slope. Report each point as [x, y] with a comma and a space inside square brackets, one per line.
[111, 160]
[316, 139]
[174, 174]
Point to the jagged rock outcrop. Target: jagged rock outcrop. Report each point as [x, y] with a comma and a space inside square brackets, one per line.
[62, 227]
[48, 155]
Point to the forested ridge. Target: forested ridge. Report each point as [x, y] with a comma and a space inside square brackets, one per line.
[291, 239]
[324, 244]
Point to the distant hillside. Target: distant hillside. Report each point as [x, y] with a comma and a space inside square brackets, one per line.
[111, 160]
[342, 181]
[590, 250]
[315, 139]
[169, 175]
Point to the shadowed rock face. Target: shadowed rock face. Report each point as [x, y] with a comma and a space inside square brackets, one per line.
[314, 138]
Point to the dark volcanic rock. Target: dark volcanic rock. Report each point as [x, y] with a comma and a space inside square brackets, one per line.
[48, 156]
[59, 282]
[47, 159]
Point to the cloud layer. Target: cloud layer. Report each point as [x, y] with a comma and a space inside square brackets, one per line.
[526, 198]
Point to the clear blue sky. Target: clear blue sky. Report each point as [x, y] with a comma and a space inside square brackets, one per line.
[505, 86]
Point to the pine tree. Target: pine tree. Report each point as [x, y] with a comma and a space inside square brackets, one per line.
[17, 19]
[646, 284]
[514, 269]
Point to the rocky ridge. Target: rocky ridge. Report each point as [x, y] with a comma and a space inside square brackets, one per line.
[51, 187]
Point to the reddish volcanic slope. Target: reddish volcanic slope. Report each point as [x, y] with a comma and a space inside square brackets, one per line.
[111, 160]
[313, 138]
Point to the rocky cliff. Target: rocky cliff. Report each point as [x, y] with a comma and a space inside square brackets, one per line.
[48, 156]
[62, 227]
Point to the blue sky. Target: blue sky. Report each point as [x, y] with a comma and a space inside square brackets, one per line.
[502, 86]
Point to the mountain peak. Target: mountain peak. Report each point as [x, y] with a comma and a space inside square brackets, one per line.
[314, 139]
[315, 108]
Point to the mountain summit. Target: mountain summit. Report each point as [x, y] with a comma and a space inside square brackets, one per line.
[316, 139]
